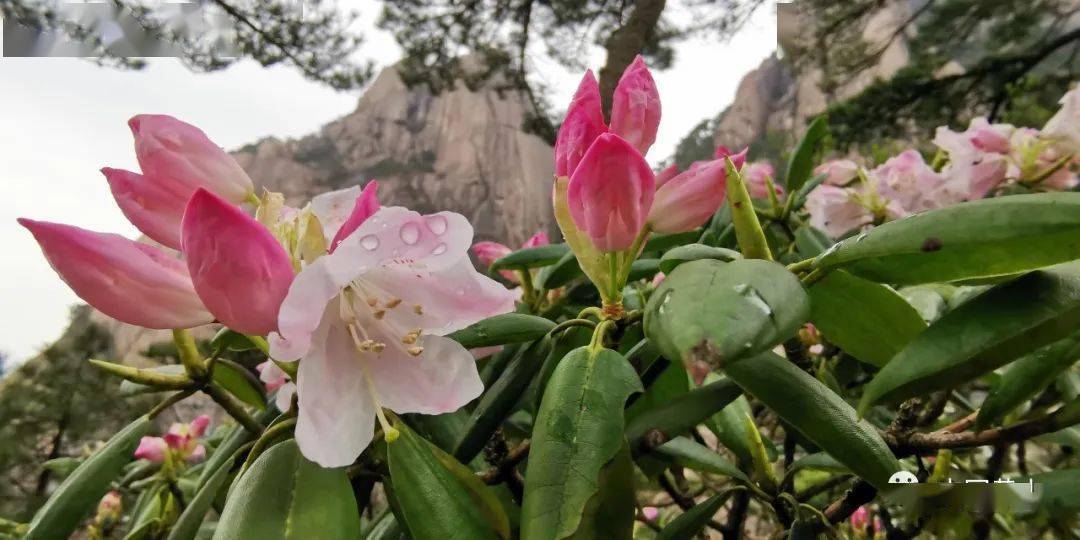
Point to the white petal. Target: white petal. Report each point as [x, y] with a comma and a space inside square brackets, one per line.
[337, 415]
[333, 208]
[283, 398]
[442, 379]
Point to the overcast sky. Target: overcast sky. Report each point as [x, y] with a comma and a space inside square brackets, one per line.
[62, 119]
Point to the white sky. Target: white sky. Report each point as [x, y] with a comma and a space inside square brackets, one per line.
[62, 119]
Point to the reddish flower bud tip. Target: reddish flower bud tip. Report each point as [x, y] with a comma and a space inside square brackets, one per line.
[584, 122]
[635, 106]
[610, 193]
[239, 269]
[367, 203]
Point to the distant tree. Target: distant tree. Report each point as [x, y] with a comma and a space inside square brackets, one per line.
[52, 406]
[435, 33]
[1007, 59]
[311, 36]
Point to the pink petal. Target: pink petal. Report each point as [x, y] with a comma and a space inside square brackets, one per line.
[239, 269]
[756, 175]
[151, 449]
[336, 419]
[196, 455]
[128, 281]
[438, 241]
[367, 203]
[610, 193]
[838, 172]
[182, 155]
[663, 176]
[738, 160]
[687, 201]
[834, 210]
[635, 106]
[536, 240]
[489, 252]
[441, 379]
[154, 207]
[199, 425]
[271, 375]
[283, 397]
[584, 122]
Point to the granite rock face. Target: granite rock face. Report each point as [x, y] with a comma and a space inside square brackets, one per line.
[777, 98]
[461, 150]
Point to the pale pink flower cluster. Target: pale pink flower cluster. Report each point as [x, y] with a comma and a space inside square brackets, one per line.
[981, 161]
[179, 444]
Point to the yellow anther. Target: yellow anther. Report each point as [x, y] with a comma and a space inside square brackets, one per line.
[411, 337]
[372, 302]
[380, 313]
[418, 309]
[393, 303]
[415, 351]
[378, 346]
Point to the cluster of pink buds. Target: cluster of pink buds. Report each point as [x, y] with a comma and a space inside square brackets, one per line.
[179, 444]
[607, 199]
[488, 252]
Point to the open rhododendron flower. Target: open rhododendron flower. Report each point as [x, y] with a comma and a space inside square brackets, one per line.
[369, 319]
[276, 380]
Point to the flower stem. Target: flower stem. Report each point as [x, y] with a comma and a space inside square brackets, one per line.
[189, 354]
[233, 407]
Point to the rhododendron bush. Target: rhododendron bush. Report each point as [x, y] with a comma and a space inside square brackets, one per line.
[700, 346]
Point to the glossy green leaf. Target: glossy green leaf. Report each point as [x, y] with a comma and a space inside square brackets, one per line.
[80, 492]
[681, 414]
[687, 453]
[240, 382]
[385, 528]
[801, 163]
[567, 341]
[438, 497]
[562, 272]
[664, 381]
[231, 340]
[811, 242]
[1060, 491]
[820, 462]
[643, 269]
[187, 527]
[691, 522]
[716, 312]
[869, 321]
[1026, 377]
[534, 257]
[502, 330]
[664, 242]
[729, 427]
[818, 414]
[979, 239]
[983, 334]
[499, 399]
[577, 434]
[695, 252]
[285, 496]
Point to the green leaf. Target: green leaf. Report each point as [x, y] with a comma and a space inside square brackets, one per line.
[801, 163]
[501, 330]
[534, 257]
[643, 269]
[820, 462]
[560, 273]
[869, 321]
[438, 497]
[695, 252]
[231, 340]
[577, 433]
[664, 242]
[499, 399]
[818, 414]
[810, 242]
[81, 491]
[682, 413]
[569, 340]
[983, 334]
[285, 496]
[691, 522]
[671, 383]
[187, 526]
[687, 453]
[717, 312]
[1060, 491]
[980, 239]
[385, 527]
[240, 382]
[729, 427]
[1026, 377]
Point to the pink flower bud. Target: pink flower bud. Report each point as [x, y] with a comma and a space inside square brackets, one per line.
[838, 172]
[690, 199]
[110, 504]
[860, 518]
[537, 240]
[650, 513]
[180, 154]
[736, 159]
[667, 174]
[199, 424]
[132, 282]
[583, 124]
[610, 193]
[239, 270]
[635, 107]
[151, 449]
[489, 252]
[367, 203]
[155, 208]
[757, 175]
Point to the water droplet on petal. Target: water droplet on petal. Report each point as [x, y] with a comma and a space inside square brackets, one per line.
[436, 224]
[439, 249]
[370, 242]
[410, 233]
